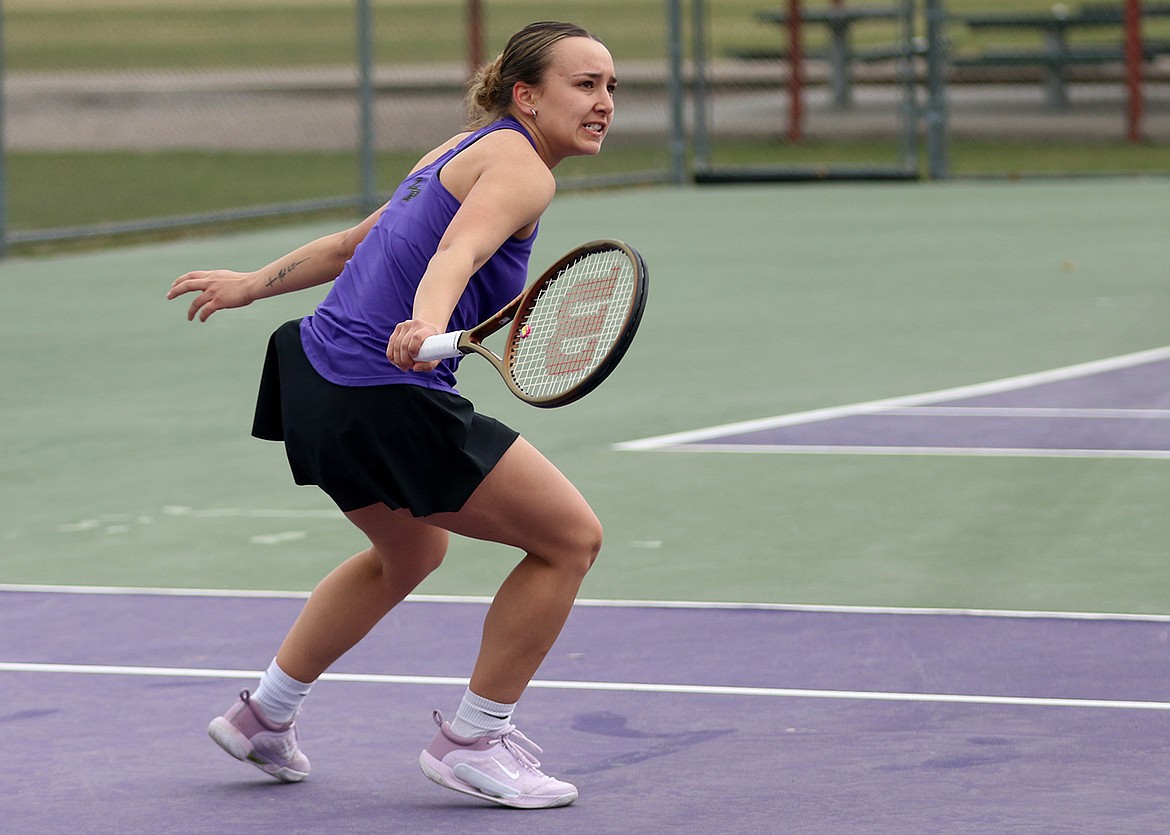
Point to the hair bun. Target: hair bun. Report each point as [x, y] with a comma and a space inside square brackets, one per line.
[485, 86]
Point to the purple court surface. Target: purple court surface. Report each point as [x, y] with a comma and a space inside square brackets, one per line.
[1118, 407]
[669, 718]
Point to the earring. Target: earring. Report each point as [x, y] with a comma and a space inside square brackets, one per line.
[532, 110]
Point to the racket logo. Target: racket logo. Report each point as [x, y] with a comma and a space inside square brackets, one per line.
[580, 320]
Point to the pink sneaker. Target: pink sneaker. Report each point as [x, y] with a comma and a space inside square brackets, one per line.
[245, 733]
[502, 769]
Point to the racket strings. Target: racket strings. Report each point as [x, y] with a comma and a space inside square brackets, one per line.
[573, 324]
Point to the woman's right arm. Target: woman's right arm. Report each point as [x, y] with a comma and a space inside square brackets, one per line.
[317, 262]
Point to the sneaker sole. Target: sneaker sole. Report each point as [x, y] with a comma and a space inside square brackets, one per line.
[235, 743]
[436, 772]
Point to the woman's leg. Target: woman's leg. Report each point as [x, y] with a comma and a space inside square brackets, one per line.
[527, 503]
[338, 614]
[357, 594]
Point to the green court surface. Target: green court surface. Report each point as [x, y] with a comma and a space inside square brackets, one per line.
[127, 458]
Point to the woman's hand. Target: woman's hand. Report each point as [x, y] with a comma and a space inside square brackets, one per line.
[217, 289]
[405, 343]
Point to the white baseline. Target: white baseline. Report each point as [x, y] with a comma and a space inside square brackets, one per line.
[607, 686]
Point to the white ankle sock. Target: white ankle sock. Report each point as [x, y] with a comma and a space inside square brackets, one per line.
[478, 716]
[279, 696]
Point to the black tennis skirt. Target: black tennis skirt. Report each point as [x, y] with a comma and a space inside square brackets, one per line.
[402, 445]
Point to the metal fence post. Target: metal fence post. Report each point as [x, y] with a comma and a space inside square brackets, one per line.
[367, 176]
[676, 88]
[3, 146]
[908, 74]
[935, 116]
[700, 116]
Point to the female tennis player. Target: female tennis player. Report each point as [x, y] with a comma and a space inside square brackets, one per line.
[391, 441]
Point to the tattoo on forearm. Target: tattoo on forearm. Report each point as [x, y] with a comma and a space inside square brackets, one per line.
[283, 272]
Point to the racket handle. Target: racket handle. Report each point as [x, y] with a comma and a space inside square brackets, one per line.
[441, 346]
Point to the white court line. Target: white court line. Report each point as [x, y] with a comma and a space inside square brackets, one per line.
[813, 608]
[1030, 412]
[630, 687]
[670, 441]
[606, 686]
[981, 452]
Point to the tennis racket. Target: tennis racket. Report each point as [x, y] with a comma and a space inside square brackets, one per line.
[570, 328]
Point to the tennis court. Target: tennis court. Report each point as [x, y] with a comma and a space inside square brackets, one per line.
[884, 481]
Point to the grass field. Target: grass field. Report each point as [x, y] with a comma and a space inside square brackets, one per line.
[67, 34]
[136, 34]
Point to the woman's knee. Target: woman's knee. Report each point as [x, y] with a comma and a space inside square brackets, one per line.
[397, 570]
[595, 541]
[402, 548]
[582, 543]
[419, 555]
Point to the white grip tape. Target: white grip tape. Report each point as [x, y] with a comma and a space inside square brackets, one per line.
[439, 347]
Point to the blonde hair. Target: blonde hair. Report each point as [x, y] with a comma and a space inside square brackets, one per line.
[525, 59]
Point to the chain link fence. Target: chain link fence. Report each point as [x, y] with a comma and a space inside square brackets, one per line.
[933, 88]
[1058, 88]
[143, 115]
[133, 115]
[796, 91]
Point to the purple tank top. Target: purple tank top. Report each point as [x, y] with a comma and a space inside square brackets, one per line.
[345, 338]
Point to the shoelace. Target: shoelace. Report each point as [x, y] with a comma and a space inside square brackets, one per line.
[521, 747]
